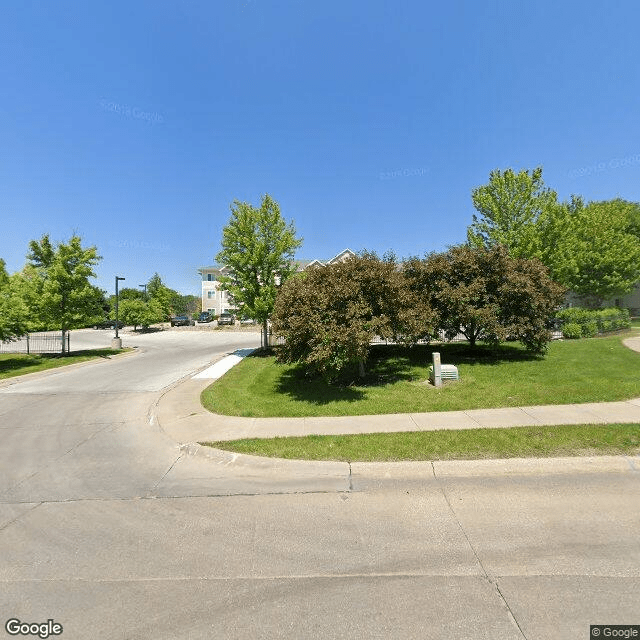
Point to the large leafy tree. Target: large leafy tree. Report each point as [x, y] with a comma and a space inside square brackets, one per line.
[595, 249]
[141, 313]
[163, 295]
[60, 277]
[171, 301]
[191, 304]
[258, 245]
[329, 315]
[509, 206]
[485, 293]
[13, 310]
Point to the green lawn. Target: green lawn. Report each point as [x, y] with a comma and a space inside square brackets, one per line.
[573, 371]
[17, 364]
[467, 444]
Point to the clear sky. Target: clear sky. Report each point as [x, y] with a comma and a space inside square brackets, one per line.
[136, 124]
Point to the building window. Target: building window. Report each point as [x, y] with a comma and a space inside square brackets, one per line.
[209, 277]
[211, 294]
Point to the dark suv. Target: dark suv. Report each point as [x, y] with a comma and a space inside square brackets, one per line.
[181, 321]
[108, 324]
[205, 316]
[226, 318]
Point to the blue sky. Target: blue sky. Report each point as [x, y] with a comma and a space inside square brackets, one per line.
[136, 124]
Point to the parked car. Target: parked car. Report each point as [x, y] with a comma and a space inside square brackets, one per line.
[226, 318]
[108, 324]
[181, 321]
[205, 316]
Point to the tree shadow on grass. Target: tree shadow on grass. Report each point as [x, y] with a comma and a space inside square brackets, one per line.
[390, 364]
[482, 354]
[297, 385]
[18, 361]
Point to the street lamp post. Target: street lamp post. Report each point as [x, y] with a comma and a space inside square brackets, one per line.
[116, 343]
[144, 286]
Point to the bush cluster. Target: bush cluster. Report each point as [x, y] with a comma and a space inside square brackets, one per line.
[329, 315]
[587, 323]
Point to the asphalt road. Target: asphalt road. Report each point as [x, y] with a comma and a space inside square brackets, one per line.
[112, 530]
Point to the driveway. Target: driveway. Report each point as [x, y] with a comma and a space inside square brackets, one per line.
[110, 529]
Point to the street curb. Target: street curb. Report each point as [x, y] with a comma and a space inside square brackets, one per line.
[438, 469]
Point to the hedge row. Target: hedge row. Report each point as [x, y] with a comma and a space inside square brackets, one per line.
[585, 323]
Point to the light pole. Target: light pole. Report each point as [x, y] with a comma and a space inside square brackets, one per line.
[116, 343]
[144, 286]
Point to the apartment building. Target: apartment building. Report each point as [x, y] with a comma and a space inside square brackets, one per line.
[217, 301]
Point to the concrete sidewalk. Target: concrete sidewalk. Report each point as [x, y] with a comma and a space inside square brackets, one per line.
[183, 418]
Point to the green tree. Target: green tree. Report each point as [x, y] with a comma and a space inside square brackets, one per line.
[13, 310]
[329, 315]
[28, 286]
[66, 298]
[258, 245]
[126, 293]
[130, 293]
[167, 298]
[484, 293]
[192, 305]
[509, 207]
[594, 250]
[141, 313]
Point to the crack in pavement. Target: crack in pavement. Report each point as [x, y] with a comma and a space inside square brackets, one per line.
[492, 580]
[24, 513]
[147, 496]
[164, 475]
[17, 483]
[310, 576]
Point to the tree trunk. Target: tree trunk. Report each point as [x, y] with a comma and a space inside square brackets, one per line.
[361, 368]
[265, 333]
[64, 342]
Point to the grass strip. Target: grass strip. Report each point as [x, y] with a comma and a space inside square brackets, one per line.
[18, 364]
[466, 444]
[573, 371]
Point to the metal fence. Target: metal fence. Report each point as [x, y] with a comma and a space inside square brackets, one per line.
[41, 342]
[276, 340]
[440, 337]
[555, 327]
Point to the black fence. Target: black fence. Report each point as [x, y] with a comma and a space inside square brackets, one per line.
[42, 342]
[276, 340]
[440, 337]
[602, 325]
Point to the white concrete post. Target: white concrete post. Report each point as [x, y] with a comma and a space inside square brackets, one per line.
[437, 371]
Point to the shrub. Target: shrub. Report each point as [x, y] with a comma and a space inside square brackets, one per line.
[487, 295]
[590, 329]
[329, 315]
[592, 323]
[572, 330]
[613, 319]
